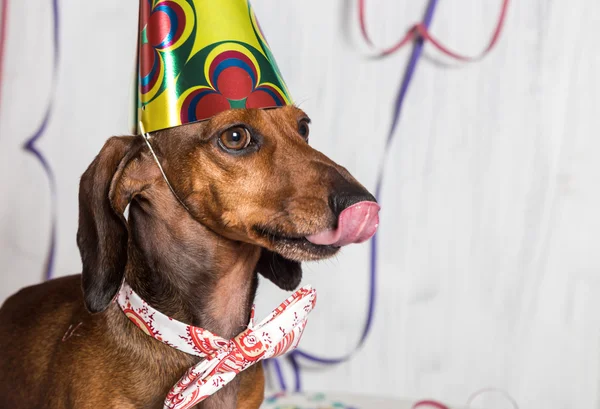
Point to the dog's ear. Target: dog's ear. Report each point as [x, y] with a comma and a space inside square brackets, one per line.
[102, 234]
[285, 274]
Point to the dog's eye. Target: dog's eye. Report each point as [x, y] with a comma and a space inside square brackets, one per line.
[303, 128]
[235, 138]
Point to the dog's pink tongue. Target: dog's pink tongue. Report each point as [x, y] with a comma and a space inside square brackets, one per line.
[356, 224]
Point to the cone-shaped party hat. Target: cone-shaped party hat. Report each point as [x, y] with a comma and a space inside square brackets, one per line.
[201, 57]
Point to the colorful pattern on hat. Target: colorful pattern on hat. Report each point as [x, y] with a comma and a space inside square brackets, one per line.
[201, 57]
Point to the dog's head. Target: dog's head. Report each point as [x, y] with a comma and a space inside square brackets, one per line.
[247, 175]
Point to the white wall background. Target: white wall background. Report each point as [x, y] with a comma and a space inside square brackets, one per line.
[490, 267]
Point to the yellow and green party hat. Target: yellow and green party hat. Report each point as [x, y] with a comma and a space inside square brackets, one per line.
[201, 57]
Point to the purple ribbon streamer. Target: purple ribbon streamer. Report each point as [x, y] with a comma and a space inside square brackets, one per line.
[29, 145]
[406, 80]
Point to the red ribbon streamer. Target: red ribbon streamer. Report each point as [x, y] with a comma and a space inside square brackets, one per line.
[420, 30]
[429, 404]
[432, 404]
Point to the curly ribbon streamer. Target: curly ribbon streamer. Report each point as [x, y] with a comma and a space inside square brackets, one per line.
[417, 49]
[29, 145]
[418, 35]
[421, 30]
[502, 392]
[422, 404]
[432, 404]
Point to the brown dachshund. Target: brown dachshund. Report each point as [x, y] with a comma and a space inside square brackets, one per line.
[255, 198]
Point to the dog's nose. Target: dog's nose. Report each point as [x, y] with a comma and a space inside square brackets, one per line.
[345, 196]
[356, 213]
[357, 217]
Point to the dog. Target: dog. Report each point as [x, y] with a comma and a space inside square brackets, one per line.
[249, 196]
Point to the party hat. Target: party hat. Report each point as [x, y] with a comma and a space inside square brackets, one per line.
[201, 57]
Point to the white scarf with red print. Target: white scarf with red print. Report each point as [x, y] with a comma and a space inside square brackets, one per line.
[223, 359]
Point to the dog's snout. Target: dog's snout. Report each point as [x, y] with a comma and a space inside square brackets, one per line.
[345, 191]
[346, 194]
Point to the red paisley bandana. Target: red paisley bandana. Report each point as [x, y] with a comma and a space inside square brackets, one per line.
[277, 334]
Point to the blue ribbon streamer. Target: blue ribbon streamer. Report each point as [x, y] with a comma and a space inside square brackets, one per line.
[29, 145]
[401, 96]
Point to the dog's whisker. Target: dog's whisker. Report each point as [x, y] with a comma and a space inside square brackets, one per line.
[299, 103]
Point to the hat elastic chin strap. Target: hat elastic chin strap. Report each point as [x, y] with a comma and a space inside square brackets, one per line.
[147, 139]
